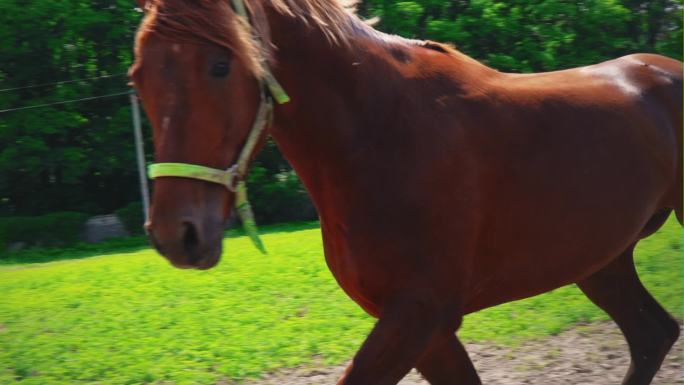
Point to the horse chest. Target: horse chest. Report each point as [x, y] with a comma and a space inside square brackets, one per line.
[357, 281]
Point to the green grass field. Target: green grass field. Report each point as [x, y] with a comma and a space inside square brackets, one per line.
[131, 318]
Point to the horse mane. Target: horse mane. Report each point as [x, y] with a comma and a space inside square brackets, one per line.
[335, 18]
[215, 21]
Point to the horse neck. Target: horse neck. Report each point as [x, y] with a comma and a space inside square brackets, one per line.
[316, 130]
[344, 99]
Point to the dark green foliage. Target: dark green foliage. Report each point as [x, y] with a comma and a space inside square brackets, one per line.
[132, 217]
[56, 229]
[275, 192]
[279, 198]
[79, 156]
[538, 35]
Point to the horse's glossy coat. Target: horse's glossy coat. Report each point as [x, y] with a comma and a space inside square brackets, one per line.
[443, 186]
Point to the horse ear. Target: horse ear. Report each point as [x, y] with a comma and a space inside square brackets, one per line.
[142, 4]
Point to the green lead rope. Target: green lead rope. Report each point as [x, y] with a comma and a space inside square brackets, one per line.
[246, 215]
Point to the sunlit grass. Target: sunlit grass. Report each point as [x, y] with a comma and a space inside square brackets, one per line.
[131, 318]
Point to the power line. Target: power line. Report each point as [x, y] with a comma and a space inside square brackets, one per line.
[66, 101]
[63, 82]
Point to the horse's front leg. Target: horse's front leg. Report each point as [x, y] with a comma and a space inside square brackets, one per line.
[402, 335]
[447, 363]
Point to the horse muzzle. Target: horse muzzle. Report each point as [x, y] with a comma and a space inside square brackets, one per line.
[187, 243]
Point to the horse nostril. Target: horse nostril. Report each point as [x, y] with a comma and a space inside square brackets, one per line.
[191, 241]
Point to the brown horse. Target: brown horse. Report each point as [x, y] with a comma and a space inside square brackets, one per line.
[443, 186]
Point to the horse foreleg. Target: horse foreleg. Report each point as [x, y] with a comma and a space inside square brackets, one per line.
[447, 363]
[399, 339]
[650, 331]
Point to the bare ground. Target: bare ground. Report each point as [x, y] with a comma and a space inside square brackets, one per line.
[594, 354]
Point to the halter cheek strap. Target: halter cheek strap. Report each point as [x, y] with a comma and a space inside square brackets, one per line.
[233, 178]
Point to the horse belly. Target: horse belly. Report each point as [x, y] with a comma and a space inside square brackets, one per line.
[559, 225]
[539, 261]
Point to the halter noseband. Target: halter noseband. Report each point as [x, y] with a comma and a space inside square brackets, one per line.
[233, 178]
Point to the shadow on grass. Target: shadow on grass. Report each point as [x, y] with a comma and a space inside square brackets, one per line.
[125, 245]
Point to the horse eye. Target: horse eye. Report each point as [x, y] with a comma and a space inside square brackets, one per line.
[220, 70]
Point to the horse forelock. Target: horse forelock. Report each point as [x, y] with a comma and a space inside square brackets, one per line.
[215, 22]
[202, 21]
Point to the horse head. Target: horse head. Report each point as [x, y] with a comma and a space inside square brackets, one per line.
[198, 72]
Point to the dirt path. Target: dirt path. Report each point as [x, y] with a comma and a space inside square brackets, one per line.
[593, 354]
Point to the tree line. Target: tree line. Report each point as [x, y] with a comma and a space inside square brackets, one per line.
[80, 156]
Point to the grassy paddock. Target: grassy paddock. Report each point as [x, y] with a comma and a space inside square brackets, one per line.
[131, 318]
[118, 246]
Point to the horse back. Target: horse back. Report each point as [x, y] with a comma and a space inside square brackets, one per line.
[638, 97]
